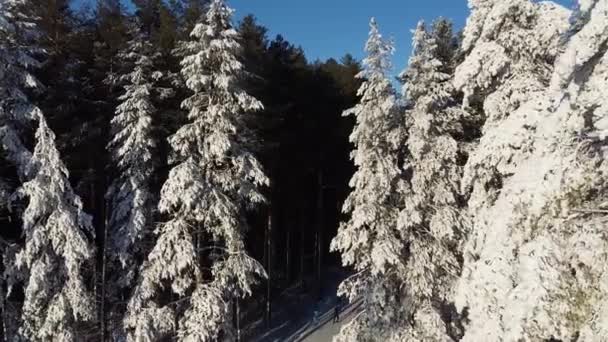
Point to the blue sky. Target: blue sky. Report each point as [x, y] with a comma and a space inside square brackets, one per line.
[332, 28]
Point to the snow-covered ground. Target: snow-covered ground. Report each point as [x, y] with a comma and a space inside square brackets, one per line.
[323, 330]
[326, 330]
[294, 315]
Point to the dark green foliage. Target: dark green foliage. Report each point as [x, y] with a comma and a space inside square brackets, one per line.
[303, 144]
[304, 137]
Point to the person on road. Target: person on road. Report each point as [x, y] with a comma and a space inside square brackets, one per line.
[315, 316]
[337, 310]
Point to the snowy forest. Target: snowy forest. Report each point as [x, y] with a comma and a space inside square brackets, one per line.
[171, 173]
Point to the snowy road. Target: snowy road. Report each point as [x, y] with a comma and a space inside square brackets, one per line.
[327, 329]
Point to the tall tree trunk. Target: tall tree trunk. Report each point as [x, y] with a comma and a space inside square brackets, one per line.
[237, 318]
[104, 260]
[302, 248]
[319, 233]
[268, 258]
[288, 254]
[2, 315]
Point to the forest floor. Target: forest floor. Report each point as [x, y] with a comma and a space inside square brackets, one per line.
[293, 315]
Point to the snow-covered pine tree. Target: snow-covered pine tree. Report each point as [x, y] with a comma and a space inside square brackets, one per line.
[133, 150]
[510, 46]
[15, 63]
[199, 259]
[56, 247]
[370, 241]
[431, 221]
[14, 156]
[537, 264]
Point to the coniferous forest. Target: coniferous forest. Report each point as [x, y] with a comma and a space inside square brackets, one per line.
[171, 173]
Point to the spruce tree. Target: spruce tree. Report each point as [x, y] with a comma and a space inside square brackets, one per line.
[15, 114]
[370, 240]
[200, 251]
[509, 47]
[536, 256]
[431, 221]
[15, 77]
[133, 149]
[56, 247]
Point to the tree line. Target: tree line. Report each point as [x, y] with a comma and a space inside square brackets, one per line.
[145, 189]
[168, 173]
[478, 205]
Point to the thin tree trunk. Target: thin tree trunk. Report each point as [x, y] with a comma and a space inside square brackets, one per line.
[102, 312]
[302, 247]
[104, 221]
[288, 254]
[268, 258]
[237, 314]
[319, 233]
[103, 273]
[2, 318]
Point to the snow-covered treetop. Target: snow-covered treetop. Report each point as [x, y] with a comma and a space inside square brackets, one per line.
[424, 70]
[132, 150]
[16, 62]
[215, 179]
[218, 138]
[57, 247]
[377, 137]
[378, 60]
[370, 240]
[510, 49]
[56, 231]
[509, 43]
[431, 221]
[535, 265]
[432, 206]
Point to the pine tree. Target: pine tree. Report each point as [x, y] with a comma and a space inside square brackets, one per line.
[193, 13]
[15, 77]
[57, 248]
[56, 231]
[15, 113]
[200, 250]
[509, 47]
[431, 220]
[537, 256]
[370, 240]
[167, 31]
[133, 150]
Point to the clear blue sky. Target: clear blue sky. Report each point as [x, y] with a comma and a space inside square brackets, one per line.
[332, 28]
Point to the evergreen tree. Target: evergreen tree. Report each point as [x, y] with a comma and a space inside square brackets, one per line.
[134, 155]
[111, 26]
[193, 13]
[15, 113]
[370, 240]
[535, 251]
[15, 77]
[148, 12]
[168, 34]
[510, 47]
[200, 249]
[56, 247]
[431, 221]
